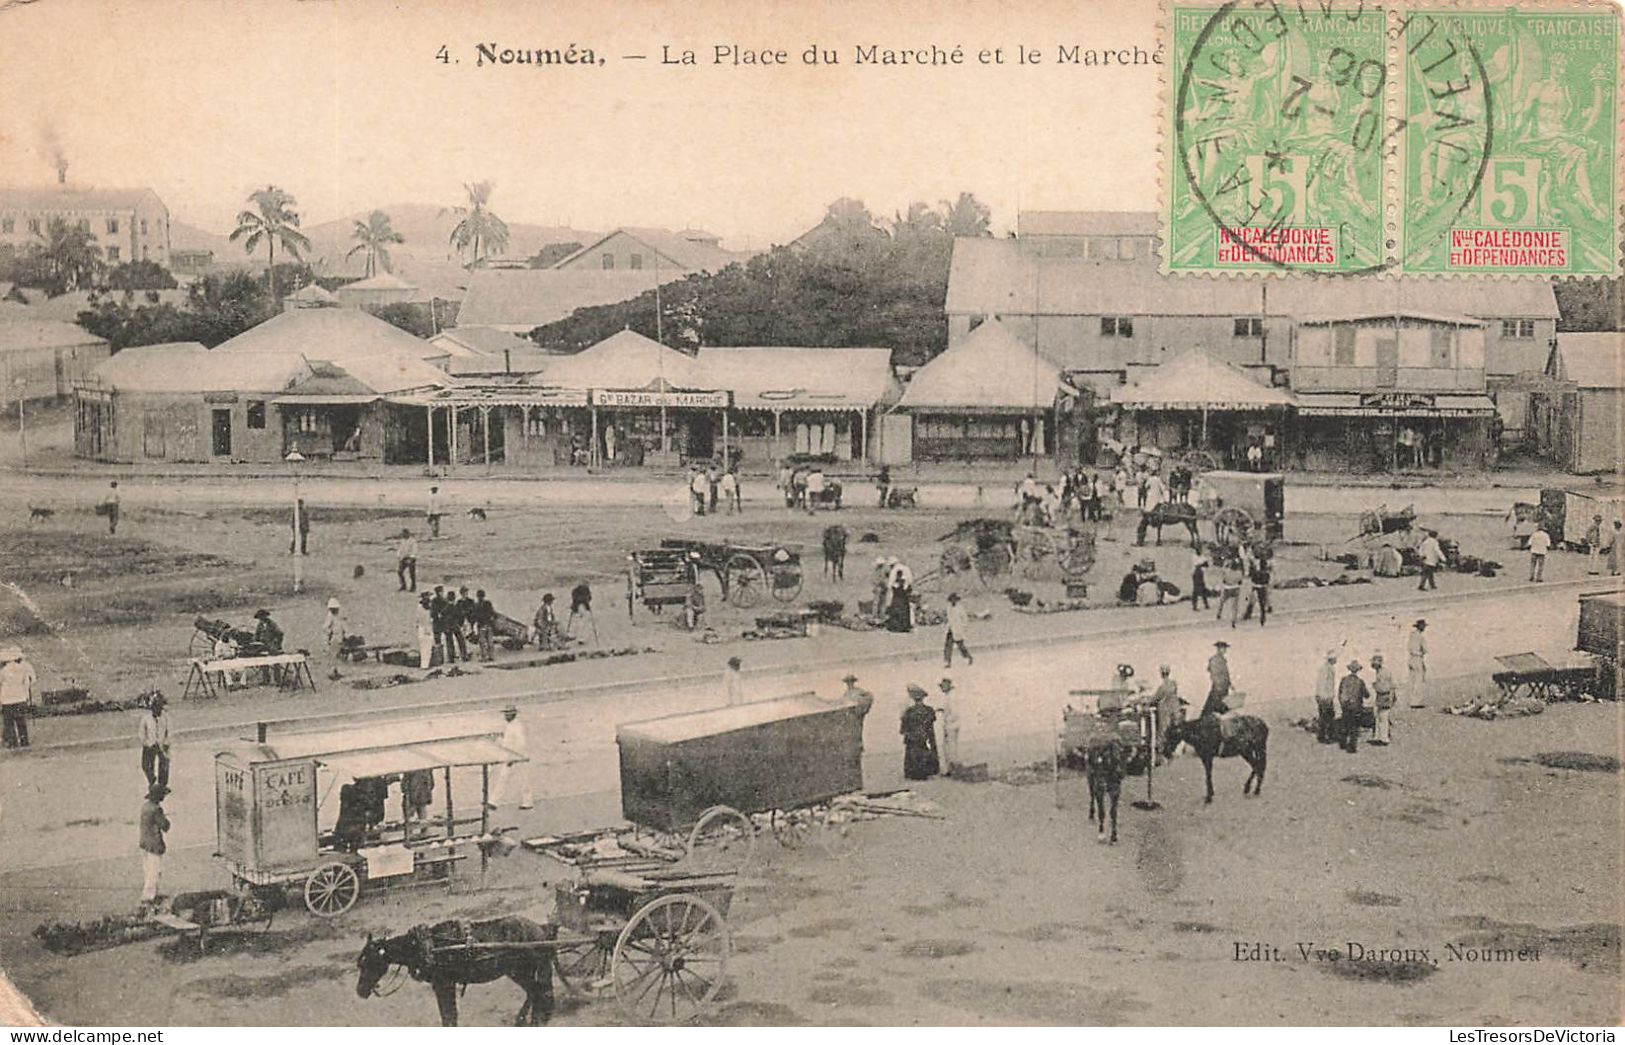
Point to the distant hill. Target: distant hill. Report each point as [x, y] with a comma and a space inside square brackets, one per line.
[427, 232]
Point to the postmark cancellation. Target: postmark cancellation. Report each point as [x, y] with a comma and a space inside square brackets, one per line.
[1398, 138]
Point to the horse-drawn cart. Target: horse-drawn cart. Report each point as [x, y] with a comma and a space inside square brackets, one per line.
[745, 571]
[1245, 506]
[309, 812]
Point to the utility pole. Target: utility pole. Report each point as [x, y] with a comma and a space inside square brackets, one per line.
[295, 459]
[21, 384]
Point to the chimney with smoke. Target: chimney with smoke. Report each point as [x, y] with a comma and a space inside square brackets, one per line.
[61, 171]
[50, 147]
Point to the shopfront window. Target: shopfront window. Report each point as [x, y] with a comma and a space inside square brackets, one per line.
[1343, 346]
[1439, 347]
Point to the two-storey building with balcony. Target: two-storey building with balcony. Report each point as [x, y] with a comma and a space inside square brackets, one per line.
[1382, 373]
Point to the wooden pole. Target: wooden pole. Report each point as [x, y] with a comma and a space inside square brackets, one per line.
[775, 435]
[863, 421]
[725, 437]
[592, 457]
[451, 817]
[429, 412]
[451, 439]
[485, 425]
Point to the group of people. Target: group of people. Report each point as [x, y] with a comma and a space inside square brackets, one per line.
[445, 621]
[714, 486]
[1340, 703]
[803, 485]
[1240, 570]
[1089, 495]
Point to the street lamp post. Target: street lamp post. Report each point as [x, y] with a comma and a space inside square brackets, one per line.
[21, 385]
[295, 459]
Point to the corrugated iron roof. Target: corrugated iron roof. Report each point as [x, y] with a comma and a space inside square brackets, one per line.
[24, 335]
[1196, 380]
[523, 299]
[625, 360]
[58, 197]
[800, 378]
[1592, 360]
[186, 366]
[988, 369]
[691, 255]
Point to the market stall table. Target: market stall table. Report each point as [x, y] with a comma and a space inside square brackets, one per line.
[292, 670]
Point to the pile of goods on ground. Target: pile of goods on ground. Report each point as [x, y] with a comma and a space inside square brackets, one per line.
[1491, 708]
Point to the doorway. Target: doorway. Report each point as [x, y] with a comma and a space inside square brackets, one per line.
[220, 429]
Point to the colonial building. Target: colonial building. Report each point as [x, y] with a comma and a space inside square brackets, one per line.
[990, 396]
[322, 381]
[129, 224]
[632, 249]
[42, 359]
[1394, 372]
[1577, 415]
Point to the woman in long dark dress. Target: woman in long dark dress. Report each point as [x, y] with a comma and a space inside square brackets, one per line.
[900, 610]
[919, 731]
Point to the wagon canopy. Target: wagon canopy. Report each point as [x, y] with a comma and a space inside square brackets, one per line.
[397, 747]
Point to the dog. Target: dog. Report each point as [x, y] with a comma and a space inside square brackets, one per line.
[477, 514]
[40, 514]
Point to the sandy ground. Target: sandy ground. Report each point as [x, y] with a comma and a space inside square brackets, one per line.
[1009, 912]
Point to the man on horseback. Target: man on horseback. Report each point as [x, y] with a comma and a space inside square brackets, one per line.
[1218, 673]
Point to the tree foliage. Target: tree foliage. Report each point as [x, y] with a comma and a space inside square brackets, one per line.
[850, 282]
[139, 275]
[217, 308]
[272, 221]
[477, 227]
[66, 258]
[374, 237]
[420, 318]
[1589, 304]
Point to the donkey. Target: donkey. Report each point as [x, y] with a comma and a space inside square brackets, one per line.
[1105, 760]
[1168, 513]
[449, 955]
[1246, 736]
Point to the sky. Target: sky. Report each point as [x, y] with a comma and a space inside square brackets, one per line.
[345, 105]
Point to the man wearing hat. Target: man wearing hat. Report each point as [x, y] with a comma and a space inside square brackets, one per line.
[1326, 699]
[1417, 655]
[950, 727]
[1430, 555]
[153, 825]
[17, 682]
[154, 731]
[919, 729]
[1218, 673]
[512, 776]
[954, 635]
[1352, 694]
[1384, 695]
[406, 561]
[266, 633]
[862, 697]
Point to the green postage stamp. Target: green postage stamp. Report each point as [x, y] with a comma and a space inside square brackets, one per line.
[1425, 138]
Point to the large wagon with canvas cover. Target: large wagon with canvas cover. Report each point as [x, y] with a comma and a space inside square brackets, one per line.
[311, 813]
[1244, 507]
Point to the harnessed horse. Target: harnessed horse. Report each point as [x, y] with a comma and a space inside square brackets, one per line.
[449, 955]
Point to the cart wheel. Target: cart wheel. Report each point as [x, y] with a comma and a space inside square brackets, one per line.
[670, 960]
[746, 579]
[202, 645]
[791, 829]
[787, 581]
[993, 562]
[582, 966]
[332, 889]
[837, 833]
[724, 839]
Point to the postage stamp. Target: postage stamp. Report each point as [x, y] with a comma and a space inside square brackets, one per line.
[1523, 175]
[1351, 137]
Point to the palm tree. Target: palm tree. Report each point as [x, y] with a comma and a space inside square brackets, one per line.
[477, 226]
[67, 256]
[374, 236]
[273, 221]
